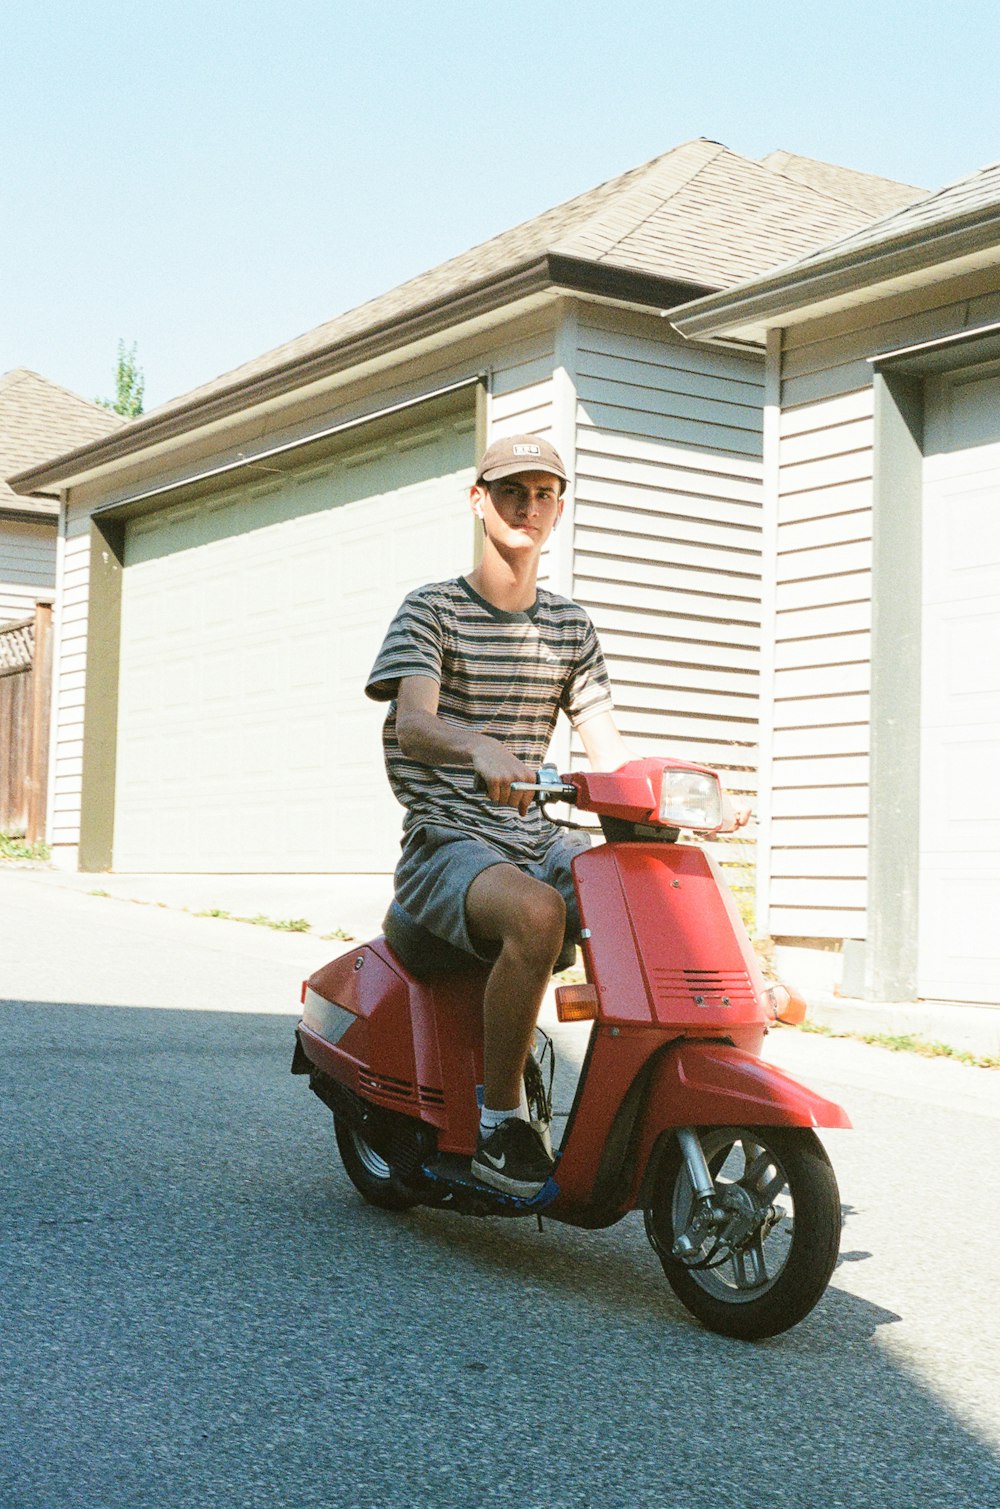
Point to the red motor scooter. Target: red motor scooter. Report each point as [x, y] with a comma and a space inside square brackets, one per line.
[674, 1112]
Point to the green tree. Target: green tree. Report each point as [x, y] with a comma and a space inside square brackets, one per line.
[130, 384]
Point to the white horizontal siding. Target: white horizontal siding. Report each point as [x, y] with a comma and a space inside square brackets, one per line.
[70, 677]
[819, 860]
[819, 771]
[27, 568]
[668, 539]
[827, 358]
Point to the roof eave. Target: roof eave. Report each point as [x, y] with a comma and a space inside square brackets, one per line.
[46, 511]
[549, 271]
[755, 306]
[279, 380]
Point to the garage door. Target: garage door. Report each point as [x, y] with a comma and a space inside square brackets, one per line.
[249, 623]
[959, 954]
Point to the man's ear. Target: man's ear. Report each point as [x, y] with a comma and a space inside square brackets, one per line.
[477, 495]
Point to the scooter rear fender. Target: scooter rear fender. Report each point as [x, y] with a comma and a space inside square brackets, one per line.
[710, 1083]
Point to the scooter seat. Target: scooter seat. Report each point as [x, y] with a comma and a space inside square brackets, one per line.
[425, 955]
[422, 952]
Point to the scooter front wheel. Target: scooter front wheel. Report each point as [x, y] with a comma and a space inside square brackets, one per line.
[757, 1261]
[368, 1171]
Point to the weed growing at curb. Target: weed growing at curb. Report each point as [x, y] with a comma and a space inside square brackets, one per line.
[339, 935]
[18, 848]
[909, 1042]
[279, 924]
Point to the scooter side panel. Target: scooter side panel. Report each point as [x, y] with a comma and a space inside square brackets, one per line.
[415, 1046]
[374, 1056]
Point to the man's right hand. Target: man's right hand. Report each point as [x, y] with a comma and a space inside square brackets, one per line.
[497, 768]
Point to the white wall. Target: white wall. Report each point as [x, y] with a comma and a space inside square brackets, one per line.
[27, 567]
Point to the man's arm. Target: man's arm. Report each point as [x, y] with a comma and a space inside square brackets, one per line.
[604, 746]
[429, 740]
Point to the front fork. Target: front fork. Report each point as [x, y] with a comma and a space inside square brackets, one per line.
[726, 1217]
[706, 1215]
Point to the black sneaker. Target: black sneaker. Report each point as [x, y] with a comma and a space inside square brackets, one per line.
[513, 1159]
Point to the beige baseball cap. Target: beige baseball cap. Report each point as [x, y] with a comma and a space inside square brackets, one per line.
[520, 453]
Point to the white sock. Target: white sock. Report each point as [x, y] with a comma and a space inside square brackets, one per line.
[489, 1119]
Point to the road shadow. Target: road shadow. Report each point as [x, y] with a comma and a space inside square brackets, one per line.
[200, 1309]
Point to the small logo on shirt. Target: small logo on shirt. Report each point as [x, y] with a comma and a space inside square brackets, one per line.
[527, 450]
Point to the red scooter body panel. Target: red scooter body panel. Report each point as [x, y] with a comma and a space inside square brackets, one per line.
[415, 1047]
[703, 1084]
[667, 944]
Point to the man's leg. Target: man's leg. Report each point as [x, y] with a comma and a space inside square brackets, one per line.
[528, 918]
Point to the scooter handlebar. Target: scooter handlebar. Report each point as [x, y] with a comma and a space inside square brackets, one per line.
[550, 791]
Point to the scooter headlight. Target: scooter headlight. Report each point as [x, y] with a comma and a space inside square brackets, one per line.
[690, 799]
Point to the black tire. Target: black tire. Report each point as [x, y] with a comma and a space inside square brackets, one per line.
[369, 1172]
[777, 1276]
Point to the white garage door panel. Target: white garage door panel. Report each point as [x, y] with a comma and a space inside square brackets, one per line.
[248, 629]
[959, 947]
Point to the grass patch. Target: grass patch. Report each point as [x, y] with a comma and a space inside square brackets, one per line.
[18, 848]
[279, 924]
[909, 1042]
[339, 935]
[100, 893]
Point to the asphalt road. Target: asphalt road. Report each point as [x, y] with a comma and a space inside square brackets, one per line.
[198, 1310]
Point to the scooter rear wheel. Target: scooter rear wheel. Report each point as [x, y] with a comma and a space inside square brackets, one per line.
[778, 1180]
[368, 1171]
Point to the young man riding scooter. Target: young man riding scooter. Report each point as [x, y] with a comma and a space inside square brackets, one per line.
[477, 669]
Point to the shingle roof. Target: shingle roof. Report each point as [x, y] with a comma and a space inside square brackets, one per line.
[698, 213]
[958, 222]
[696, 217]
[39, 421]
[874, 195]
[977, 192]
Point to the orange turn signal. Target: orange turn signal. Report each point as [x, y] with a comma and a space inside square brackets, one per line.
[576, 1003]
[787, 1005]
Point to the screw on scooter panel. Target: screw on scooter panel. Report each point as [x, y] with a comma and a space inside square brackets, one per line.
[674, 1113]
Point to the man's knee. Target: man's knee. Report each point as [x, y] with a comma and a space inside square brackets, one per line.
[537, 925]
[517, 910]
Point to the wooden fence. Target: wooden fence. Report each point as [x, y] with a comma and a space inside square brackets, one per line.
[25, 681]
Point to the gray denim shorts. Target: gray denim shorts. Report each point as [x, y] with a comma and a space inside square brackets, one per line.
[438, 865]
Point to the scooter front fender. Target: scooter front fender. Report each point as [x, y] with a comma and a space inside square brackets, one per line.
[706, 1083]
[709, 1083]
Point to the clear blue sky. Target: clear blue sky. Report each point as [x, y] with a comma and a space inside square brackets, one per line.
[210, 179]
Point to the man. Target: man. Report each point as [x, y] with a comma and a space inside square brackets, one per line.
[479, 668]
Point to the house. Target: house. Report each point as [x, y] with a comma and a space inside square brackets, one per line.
[232, 558]
[38, 420]
[880, 841]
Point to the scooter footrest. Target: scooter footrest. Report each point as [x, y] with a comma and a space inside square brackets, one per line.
[455, 1173]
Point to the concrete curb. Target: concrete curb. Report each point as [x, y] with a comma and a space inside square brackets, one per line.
[963, 1027]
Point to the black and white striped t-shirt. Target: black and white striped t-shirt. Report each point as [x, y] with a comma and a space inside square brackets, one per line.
[503, 674]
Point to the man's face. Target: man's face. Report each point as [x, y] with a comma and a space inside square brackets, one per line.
[519, 511]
